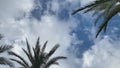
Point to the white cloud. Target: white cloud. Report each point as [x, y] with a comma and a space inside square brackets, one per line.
[13, 8]
[103, 54]
[49, 28]
[84, 2]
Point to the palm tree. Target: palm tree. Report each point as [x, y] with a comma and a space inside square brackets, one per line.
[106, 9]
[3, 60]
[37, 57]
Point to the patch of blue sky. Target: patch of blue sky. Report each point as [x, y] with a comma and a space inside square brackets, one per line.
[113, 27]
[64, 14]
[40, 8]
[86, 21]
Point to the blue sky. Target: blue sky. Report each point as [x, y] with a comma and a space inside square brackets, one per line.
[52, 20]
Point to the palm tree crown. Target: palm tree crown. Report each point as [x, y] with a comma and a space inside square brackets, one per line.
[106, 8]
[38, 58]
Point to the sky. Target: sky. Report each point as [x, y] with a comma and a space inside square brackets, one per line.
[51, 20]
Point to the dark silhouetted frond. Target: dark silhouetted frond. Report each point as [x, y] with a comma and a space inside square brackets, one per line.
[39, 58]
[52, 50]
[5, 61]
[109, 9]
[54, 61]
[5, 48]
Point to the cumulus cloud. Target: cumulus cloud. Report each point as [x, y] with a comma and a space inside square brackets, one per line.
[13, 8]
[50, 28]
[103, 54]
[105, 51]
[84, 2]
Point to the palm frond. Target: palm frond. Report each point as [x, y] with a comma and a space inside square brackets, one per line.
[5, 61]
[110, 9]
[5, 48]
[18, 56]
[29, 53]
[1, 36]
[112, 13]
[91, 5]
[44, 46]
[52, 50]
[21, 63]
[54, 61]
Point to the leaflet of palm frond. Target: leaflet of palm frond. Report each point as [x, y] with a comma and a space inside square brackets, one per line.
[36, 54]
[99, 10]
[89, 5]
[38, 59]
[113, 12]
[30, 57]
[29, 51]
[1, 36]
[52, 51]
[21, 63]
[44, 46]
[98, 17]
[96, 7]
[53, 61]
[37, 49]
[28, 47]
[4, 48]
[89, 9]
[18, 56]
[6, 62]
[80, 9]
[109, 7]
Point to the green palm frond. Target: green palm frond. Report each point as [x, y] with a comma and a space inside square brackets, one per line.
[108, 9]
[92, 6]
[111, 13]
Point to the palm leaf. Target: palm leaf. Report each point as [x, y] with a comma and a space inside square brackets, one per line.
[29, 53]
[110, 9]
[21, 63]
[93, 5]
[16, 55]
[112, 13]
[53, 61]
[5, 61]
[5, 48]
[52, 50]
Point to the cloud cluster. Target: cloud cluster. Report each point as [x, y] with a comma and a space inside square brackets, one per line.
[16, 25]
[104, 53]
